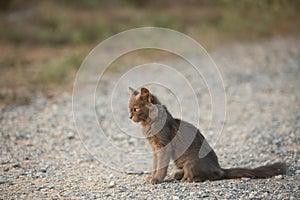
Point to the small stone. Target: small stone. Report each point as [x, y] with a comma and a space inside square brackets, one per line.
[16, 165]
[245, 179]
[266, 195]
[71, 136]
[175, 197]
[111, 176]
[297, 172]
[132, 140]
[2, 181]
[3, 162]
[279, 177]
[43, 169]
[42, 175]
[6, 169]
[111, 184]
[40, 188]
[192, 194]
[51, 186]
[203, 195]
[252, 195]
[77, 194]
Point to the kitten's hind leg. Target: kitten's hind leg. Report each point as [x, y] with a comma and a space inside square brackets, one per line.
[179, 174]
[188, 172]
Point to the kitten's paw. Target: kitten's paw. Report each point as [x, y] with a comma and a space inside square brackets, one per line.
[148, 179]
[155, 181]
[190, 180]
[152, 180]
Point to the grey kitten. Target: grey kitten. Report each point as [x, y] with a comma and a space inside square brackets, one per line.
[181, 141]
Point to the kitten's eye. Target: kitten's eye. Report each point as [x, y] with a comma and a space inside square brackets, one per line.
[136, 109]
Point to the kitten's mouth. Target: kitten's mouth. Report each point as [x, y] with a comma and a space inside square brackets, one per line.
[135, 119]
[139, 119]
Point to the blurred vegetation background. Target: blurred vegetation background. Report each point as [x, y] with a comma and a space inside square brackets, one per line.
[42, 43]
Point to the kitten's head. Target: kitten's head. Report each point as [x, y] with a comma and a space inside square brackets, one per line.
[139, 105]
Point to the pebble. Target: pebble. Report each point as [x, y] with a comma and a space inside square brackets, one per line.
[2, 162]
[245, 179]
[52, 186]
[40, 188]
[71, 135]
[175, 197]
[16, 165]
[132, 140]
[2, 181]
[279, 177]
[43, 169]
[252, 195]
[204, 195]
[111, 184]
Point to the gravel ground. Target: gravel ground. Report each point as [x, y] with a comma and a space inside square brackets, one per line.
[42, 156]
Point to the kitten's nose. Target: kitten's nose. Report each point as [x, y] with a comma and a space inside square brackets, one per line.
[130, 116]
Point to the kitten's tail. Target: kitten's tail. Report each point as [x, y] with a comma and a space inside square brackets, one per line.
[259, 172]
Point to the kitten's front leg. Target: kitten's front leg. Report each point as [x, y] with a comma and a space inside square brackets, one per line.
[154, 167]
[162, 163]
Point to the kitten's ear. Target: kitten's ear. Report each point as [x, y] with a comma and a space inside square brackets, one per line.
[145, 94]
[133, 91]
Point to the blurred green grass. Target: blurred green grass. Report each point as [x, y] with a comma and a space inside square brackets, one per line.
[81, 22]
[46, 41]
